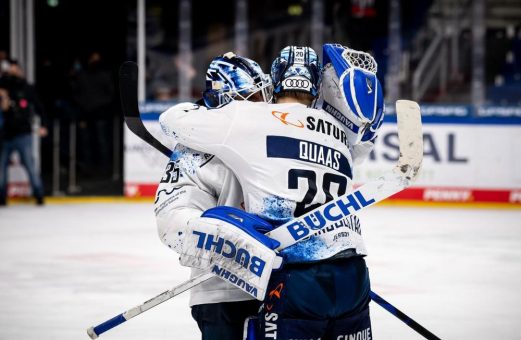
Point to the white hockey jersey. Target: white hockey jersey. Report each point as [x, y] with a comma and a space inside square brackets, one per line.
[194, 182]
[288, 158]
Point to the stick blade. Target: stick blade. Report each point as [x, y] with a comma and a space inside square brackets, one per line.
[411, 138]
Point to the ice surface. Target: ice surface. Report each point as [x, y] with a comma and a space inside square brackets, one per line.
[65, 268]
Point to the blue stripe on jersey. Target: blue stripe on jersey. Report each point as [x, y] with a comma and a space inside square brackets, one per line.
[291, 148]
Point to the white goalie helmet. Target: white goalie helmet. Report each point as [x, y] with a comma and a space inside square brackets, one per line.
[351, 92]
[231, 77]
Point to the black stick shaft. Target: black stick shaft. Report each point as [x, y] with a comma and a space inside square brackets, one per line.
[128, 74]
[402, 316]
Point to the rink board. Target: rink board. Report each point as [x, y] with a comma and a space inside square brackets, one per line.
[466, 159]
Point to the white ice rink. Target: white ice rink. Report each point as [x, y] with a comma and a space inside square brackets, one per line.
[67, 267]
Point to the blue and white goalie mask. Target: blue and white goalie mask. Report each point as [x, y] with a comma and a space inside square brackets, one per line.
[351, 92]
[232, 77]
[296, 69]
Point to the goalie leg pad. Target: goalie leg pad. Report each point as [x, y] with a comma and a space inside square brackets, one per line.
[334, 290]
[285, 328]
[357, 326]
[223, 320]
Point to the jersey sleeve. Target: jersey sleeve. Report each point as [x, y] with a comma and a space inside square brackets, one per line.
[192, 183]
[197, 127]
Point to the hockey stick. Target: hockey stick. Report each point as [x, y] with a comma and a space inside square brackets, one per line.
[411, 151]
[94, 332]
[402, 316]
[129, 102]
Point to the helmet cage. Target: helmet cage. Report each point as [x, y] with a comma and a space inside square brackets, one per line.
[215, 99]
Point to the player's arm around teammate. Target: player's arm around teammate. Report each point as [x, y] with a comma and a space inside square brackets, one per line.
[194, 182]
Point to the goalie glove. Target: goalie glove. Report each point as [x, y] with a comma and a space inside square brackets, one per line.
[233, 244]
[351, 92]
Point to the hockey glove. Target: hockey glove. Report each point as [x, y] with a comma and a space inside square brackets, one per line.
[233, 243]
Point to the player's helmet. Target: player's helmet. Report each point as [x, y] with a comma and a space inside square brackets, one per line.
[351, 91]
[230, 76]
[296, 69]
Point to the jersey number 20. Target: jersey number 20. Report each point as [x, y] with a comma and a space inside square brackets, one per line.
[307, 203]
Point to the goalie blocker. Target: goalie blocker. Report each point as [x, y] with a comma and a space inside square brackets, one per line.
[233, 243]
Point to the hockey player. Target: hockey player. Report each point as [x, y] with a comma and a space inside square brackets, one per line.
[289, 158]
[196, 181]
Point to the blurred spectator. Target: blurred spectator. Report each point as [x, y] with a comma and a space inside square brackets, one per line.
[3, 107]
[4, 63]
[94, 92]
[18, 104]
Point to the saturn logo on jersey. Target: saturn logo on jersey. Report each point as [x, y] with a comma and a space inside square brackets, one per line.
[317, 124]
[282, 116]
[271, 317]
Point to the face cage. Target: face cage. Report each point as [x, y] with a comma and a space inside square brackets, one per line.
[215, 99]
[264, 86]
